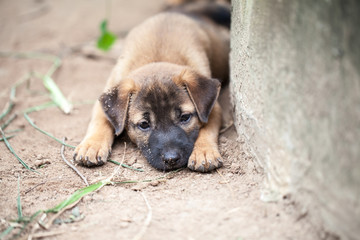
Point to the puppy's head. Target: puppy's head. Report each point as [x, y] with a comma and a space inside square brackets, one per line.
[162, 108]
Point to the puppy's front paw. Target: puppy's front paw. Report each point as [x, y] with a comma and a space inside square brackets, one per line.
[205, 159]
[92, 152]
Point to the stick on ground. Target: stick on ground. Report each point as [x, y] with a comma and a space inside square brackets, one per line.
[30, 189]
[147, 220]
[70, 165]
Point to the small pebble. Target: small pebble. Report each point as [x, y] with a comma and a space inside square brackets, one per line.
[137, 165]
[154, 183]
[41, 162]
[124, 224]
[229, 174]
[139, 186]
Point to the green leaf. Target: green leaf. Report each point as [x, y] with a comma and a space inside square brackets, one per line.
[107, 39]
[77, 196]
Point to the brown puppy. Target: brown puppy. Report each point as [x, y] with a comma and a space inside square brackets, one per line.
[163, 91]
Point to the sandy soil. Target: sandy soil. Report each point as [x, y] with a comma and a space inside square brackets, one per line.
[224, 204]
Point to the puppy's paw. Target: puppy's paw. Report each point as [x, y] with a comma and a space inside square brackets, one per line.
[205, 159]
[92, 152]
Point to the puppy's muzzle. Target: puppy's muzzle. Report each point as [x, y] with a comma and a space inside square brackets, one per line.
[171, 157]
[168, 148]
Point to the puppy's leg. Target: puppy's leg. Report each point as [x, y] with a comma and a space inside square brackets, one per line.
[205, 156]
[96, 146]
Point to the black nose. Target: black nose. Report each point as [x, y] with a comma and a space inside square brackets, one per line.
[171, 157]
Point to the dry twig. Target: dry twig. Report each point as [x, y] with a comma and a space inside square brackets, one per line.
[116, 170]
[32, 188]
[70, 165]
[227, 184]
[46, 234]
[147, 220]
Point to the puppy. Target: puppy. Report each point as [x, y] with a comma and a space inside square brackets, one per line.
[163, 91]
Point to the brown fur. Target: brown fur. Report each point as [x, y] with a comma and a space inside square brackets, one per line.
[168, 62]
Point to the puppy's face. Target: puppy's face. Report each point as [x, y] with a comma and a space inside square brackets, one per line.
[163, 122]
[162, 112]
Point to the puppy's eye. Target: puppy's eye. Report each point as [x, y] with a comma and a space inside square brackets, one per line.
[185, 118]
[144, 125]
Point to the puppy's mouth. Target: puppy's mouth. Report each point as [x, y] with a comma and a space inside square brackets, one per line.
[166, 160]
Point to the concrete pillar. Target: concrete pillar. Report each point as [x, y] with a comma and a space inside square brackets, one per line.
[295, 86]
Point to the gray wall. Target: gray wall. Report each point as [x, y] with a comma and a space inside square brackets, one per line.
[295, 86]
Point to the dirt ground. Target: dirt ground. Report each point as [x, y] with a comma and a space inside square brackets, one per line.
[224, 204]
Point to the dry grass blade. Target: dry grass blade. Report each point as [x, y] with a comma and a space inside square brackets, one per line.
[70, 202]
[125, 166]
[6, 124]
[70, 165]
[13, 152]
[10, 104]
[38, 108]
[109, 179]
[46, 220]
[147, 220]
[6, 231]
[47, 234]
[7, 137]
[31, 55]
[151, 180]
[30, 189]
[21, 221]
[63, 206]
[55, 92]
[56, 215]
[75, 197]
[56, 95]
[19, 208]
[14, 131]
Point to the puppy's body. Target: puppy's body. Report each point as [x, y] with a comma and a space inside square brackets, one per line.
[163, 93]
[178, 39]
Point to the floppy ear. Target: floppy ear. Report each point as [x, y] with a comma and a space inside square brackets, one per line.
[115, 104]
[203, 91]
